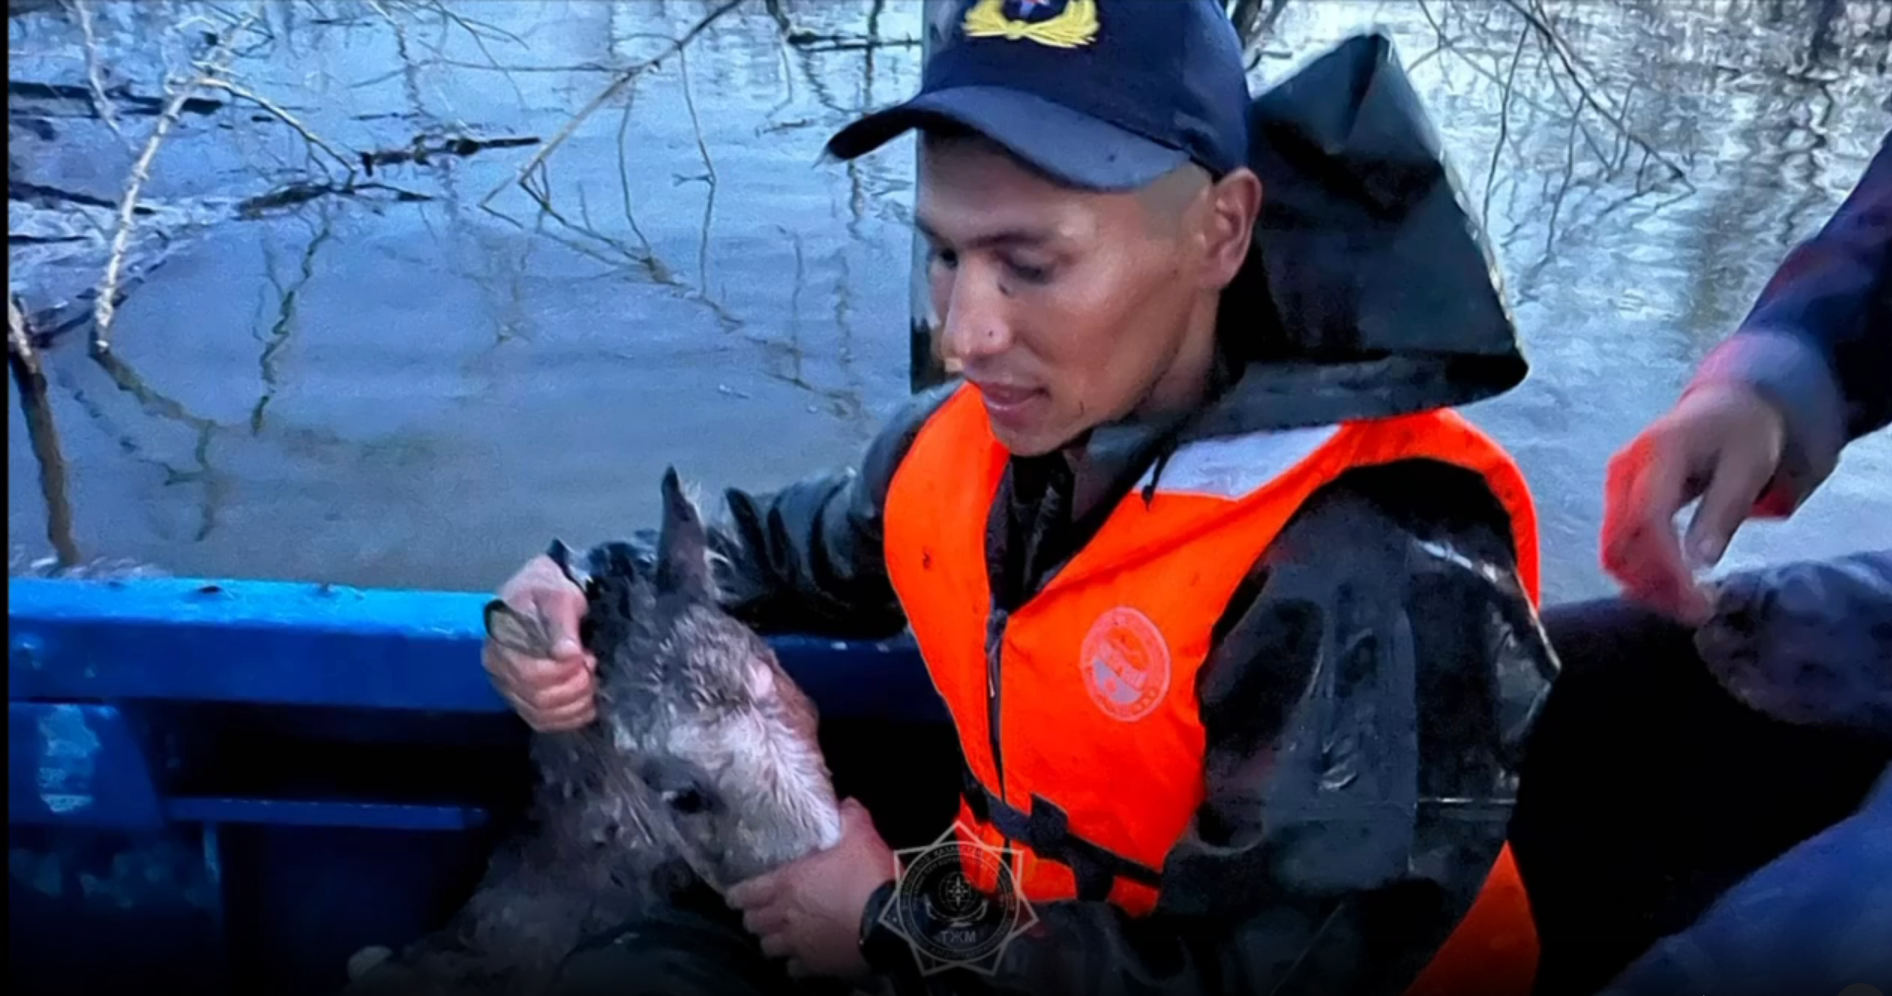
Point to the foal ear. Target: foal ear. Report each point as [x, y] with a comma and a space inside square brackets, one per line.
[516, 631]
[683, 564]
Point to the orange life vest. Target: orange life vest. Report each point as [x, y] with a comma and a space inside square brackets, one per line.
[1100, 744]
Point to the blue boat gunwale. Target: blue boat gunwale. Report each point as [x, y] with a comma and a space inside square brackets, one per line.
[100, 670]
[300, 643]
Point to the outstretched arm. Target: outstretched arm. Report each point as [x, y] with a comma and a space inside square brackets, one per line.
[1360, 713]
[1818, 341]
[1762, 424]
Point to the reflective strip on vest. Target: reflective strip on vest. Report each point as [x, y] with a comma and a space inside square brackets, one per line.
[1097, 698]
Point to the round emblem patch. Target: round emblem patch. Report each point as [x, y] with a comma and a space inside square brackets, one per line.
[1125, 662]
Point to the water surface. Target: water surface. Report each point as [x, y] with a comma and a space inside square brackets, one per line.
[415, 385]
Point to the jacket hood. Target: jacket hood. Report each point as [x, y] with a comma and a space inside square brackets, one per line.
[1370, 289]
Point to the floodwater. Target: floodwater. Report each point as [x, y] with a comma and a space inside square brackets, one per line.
[413, 383]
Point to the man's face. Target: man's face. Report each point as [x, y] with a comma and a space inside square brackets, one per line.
[1065, 308]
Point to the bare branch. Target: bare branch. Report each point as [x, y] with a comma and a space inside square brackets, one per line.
[280, 114]
[19, 342]
[37, 411]
[94, 71]
[106, 305]
[696, 123]
[1565, 56]
[624, 79]
[1504, 124]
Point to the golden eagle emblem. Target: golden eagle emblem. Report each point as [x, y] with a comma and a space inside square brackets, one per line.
[1074, 27]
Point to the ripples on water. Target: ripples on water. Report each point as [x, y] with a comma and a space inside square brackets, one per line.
[414, 385]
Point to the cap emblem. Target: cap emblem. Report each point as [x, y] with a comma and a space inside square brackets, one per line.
[1073, 26]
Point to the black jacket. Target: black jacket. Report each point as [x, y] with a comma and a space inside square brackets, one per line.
[1369, 683]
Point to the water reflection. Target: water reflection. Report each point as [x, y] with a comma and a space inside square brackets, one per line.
[424, 283]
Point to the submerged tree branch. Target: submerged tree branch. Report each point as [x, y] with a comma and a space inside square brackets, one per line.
[106, 306]
[617, 86]
[94, 71]
[280, 114]
[37, 410]
[19, 342]
[1567, 58]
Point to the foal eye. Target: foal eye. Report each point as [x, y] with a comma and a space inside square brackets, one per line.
[685, 801]
[679, 786]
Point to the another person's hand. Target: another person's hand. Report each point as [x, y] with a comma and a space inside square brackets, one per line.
[1721, 443]
[809, 910]
[553, 692]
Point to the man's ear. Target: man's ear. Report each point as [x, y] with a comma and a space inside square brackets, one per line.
[1234, 204]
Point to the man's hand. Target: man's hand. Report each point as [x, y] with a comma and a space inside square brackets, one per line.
[810, 910]
[1721, 443]
[553, 692]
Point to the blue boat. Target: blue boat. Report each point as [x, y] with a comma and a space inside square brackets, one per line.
[224, 786]
[231, 786]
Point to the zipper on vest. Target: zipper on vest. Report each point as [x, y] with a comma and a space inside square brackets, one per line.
[994, 645]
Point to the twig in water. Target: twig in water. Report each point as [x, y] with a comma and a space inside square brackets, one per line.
[709, 204]
[107, 305]
[624, 185]
[696, 123]
[281, 115]
[1565, 56]
[19, 342]
[604, 96]
[1504, 124]
[37, 411]
[1449, 44]
[94, 72]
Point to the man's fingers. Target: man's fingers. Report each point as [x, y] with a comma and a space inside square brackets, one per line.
[560, 607]
[775, 945]
[753, 893]
[566, 718]
[542, 684]
[573, 686]
[1737, 484]
[568, 703]
[765, 920]
[855, 819]
[1649, 482]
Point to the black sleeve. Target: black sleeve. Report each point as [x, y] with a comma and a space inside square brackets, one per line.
[1362, 706]
[809, 558]
[1818, 340]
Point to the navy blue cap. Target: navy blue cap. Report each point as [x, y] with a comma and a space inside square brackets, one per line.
[1098, 94]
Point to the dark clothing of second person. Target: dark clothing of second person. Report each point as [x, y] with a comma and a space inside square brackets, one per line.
[1691, 818]
[1677, 773]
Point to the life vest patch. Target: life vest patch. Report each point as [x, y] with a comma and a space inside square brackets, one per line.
[1125, 664]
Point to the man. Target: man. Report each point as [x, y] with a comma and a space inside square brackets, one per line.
[1763, 422]
[1235, 622]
